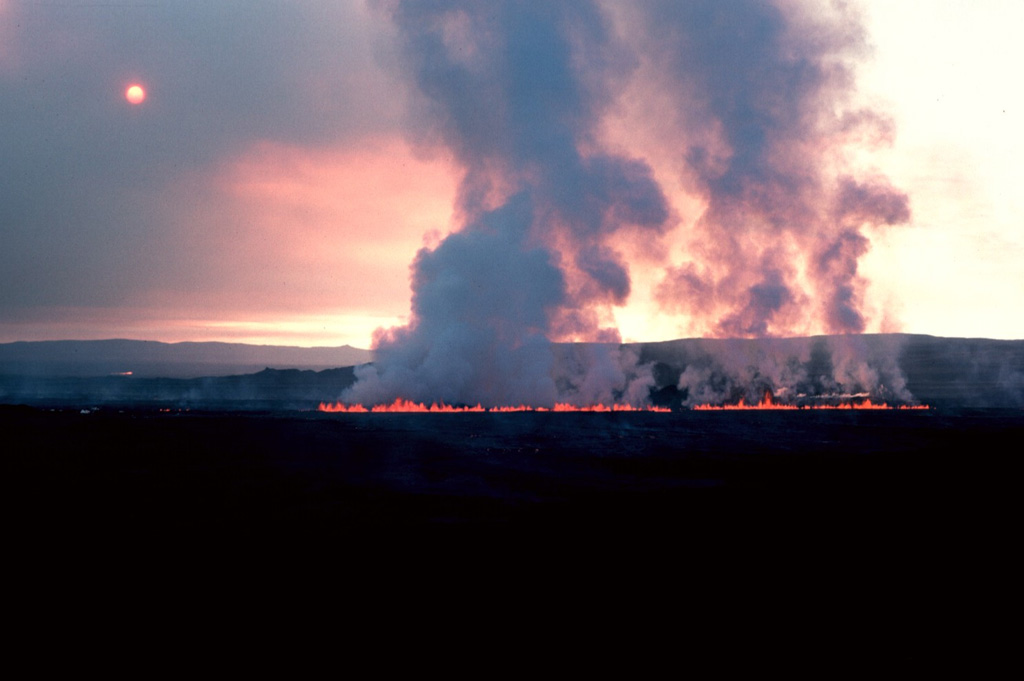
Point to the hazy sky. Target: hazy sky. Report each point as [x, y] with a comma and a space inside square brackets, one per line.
[291, 158]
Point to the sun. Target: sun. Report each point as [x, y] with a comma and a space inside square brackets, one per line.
[135, 94]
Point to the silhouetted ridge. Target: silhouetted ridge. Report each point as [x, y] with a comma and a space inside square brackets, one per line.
[898, 368]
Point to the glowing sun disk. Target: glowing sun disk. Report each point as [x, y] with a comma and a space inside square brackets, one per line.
[135, 94]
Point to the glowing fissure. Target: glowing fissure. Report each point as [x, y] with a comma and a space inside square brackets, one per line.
[768, 403]
[408, 406]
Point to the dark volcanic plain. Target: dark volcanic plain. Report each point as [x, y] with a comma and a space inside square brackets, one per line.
[857, 537]
[254, 473]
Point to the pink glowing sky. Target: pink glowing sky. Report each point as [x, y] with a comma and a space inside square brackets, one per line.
[280, 197]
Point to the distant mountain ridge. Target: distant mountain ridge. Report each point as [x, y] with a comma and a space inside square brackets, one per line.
[943, 372]
[75, 358]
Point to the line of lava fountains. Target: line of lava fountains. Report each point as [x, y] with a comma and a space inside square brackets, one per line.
[408, 406]
[767, 403]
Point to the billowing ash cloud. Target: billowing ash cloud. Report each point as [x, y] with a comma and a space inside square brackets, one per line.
[763, 91]
[517, 92]
[823, 369]
[481, 306]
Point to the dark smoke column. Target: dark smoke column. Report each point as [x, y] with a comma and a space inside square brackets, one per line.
[763, 91]
[514, 90]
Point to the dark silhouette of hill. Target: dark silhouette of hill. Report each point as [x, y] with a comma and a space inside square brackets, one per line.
[165, 360]
[267, 389]
[899, 368]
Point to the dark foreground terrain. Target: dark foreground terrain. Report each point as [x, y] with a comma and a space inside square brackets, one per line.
[852, 537]
[112, 471]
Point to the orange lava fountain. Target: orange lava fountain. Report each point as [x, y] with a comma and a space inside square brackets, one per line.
[408, 406]
[767, 403]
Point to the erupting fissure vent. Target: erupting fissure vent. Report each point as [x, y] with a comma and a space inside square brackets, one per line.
[408, 406]
[769, 403]
[766, 403]
[568, 185]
